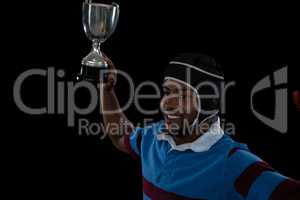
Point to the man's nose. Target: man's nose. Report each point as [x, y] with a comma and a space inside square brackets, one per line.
[169, 104]
[171, 101]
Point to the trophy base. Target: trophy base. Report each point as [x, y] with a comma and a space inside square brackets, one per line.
[92, 74]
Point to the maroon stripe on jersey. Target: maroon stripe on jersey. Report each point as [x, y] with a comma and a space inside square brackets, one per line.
[247, 178]
[232, 151]
[155, 193]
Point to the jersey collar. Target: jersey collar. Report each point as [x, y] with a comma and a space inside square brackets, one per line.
[201, 144]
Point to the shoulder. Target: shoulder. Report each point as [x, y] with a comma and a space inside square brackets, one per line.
[239, 157]
[252, 178]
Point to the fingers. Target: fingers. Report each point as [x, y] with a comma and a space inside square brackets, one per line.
[111, 74]
[109, 62]
[111, 79]
[108, 85]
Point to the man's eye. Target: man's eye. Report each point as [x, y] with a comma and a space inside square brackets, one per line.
[166, 92]
[185, 96]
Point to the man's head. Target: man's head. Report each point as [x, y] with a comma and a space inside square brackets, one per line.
[179, 105]
[188, 78]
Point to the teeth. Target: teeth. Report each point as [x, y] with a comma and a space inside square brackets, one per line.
[173, 117]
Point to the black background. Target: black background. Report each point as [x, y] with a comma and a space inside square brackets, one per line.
[47, 158]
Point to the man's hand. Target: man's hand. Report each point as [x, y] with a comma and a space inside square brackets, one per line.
[111, 77]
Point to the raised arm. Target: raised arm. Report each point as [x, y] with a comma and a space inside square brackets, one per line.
[116, 123]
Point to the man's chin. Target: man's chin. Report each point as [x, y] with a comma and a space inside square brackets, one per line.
[172, 128]
[176, 130]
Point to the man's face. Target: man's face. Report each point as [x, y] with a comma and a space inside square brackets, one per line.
[179, 106]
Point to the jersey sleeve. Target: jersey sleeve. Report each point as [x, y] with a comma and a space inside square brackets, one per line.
[132, 141]
[251, 178]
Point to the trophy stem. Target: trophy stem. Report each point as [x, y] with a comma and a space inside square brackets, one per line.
[96, 47]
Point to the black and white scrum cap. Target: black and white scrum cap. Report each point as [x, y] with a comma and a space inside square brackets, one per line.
[196, 70]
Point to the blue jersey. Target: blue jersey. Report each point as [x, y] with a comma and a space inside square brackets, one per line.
[227, 170]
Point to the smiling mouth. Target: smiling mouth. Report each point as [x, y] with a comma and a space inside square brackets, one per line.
[173, 116]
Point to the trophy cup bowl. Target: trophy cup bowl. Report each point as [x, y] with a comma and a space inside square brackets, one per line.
[99, 22]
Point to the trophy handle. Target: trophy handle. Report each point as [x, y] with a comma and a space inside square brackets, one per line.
[115, 4]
